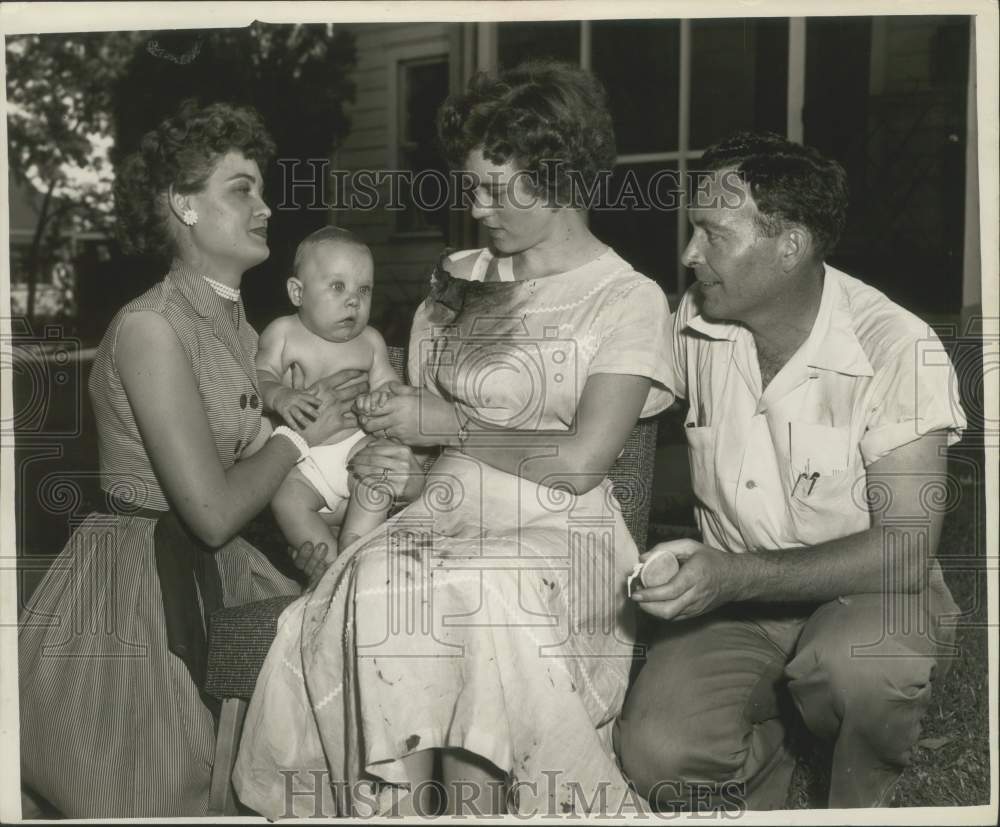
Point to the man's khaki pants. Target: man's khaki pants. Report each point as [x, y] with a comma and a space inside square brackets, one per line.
[705, 722]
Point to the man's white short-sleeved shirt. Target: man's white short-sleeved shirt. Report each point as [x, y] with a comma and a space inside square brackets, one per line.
[786, 468]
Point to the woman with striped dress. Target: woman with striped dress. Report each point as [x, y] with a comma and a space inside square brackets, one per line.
[112, 644]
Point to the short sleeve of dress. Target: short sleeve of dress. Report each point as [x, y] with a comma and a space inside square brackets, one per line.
[420, 332]
[635, 338]
[916, 393]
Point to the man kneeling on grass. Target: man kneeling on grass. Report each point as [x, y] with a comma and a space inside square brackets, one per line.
[820, 413]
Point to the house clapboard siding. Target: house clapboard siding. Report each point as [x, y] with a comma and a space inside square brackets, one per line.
[402, 261]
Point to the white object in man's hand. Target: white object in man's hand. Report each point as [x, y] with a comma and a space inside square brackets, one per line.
[658, 568]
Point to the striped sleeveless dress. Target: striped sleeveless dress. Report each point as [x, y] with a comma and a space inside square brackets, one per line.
[111, 722]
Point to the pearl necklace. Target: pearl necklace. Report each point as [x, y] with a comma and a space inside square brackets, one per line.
[223, 290]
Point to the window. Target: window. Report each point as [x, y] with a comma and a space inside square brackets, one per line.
[887, 97]
[422, 86]
[557, 39]
[674, 87]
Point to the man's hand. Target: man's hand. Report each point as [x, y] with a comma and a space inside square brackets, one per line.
[297, 407]
[708, 578]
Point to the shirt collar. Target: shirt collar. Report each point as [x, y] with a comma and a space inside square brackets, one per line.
[832, 344]
[728, 331]
[193, 286]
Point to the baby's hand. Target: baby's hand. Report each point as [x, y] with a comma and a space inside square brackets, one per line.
[368, 403]
[298, 408]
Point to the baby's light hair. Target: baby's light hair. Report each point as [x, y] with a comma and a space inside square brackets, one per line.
[327, 234]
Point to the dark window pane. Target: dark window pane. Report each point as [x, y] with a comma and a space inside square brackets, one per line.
[423, 86]
[638, 61]
[886, 97]
[739, 78]
[644, 232]
[517, 42]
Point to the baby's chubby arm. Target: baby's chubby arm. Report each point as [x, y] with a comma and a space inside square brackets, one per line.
[296, 407]
[382, 375]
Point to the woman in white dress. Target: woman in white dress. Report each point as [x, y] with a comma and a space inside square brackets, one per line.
[482, 637]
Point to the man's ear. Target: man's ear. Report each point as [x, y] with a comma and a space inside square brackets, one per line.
[796, 246]
[294, 287]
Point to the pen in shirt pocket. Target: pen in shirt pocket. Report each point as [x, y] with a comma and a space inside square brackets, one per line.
[808, 482]
[806, 479]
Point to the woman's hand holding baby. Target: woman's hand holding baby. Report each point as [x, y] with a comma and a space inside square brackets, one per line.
[368, 404]
[297, 408]
[390, 463]
[335, 385]
[412, 416]
[336, 394]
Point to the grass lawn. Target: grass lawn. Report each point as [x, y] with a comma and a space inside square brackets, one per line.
[951, 765]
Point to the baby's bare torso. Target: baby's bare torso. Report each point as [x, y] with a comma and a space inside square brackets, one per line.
[318, 357]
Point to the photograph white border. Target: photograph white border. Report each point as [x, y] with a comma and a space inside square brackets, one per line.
[16, 18]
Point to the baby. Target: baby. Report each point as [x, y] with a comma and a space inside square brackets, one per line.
[332, 289]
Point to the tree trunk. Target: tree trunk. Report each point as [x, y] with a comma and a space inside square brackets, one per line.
[34, 257]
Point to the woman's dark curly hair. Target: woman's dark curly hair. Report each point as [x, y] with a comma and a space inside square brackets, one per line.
[790, 184]
[539, 111]
[181, 152]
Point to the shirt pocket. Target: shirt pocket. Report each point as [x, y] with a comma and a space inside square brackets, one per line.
[701, 442]
[827, 483]
[818, 448]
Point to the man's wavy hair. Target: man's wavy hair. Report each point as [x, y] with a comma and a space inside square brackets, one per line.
[180, 152]
[545, 117]
[790, 184]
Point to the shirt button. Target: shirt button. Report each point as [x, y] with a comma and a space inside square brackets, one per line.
[243, 401]
[254, 402]
[751, 484]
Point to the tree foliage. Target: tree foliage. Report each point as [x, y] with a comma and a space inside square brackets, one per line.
[59, 104]
[79, 103]
[58, 127]
[296, 76]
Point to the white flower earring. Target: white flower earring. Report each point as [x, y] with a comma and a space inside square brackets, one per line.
[189, 217]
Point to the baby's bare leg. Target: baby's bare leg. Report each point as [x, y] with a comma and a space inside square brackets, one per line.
[368, 507]
[296, 508]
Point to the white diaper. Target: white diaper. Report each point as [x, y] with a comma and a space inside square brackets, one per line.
[326, 469]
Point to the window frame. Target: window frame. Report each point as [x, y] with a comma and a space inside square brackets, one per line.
[685, 153]
[437, 50]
